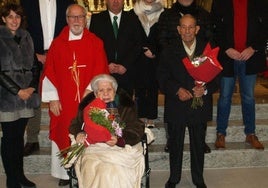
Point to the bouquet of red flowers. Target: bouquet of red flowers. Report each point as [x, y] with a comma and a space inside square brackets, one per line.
[100, 116]
[203, 69]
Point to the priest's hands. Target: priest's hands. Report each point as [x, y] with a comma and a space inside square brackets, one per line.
[55, 107]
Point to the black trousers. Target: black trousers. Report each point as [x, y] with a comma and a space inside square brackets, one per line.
[176, 145]
[147, 101]
[12, 145]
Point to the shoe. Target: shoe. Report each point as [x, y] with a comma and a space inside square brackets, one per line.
[25, 183]
[63, 182]
[150, 124]
[207, 148]
[220, 141]
[253, 140]
[170, 185]
[30, 148]
[166, 149]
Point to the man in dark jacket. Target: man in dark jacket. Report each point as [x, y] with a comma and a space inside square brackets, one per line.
[179, 89]
[240, 32]
[168, 23]
[124, 47]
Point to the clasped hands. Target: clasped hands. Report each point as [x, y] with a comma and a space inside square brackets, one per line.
[25, 94]
[117, 68]
[243, 56]
[184, 94]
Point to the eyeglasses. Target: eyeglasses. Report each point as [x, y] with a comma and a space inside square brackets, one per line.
[79, 17]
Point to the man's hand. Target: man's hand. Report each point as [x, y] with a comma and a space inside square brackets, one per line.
[247, 53]
[199, 91]
[184, 94]
[117, 68]
[113, 68]
[243, 56]
[233, 54]
[55, 107]
[121, 69]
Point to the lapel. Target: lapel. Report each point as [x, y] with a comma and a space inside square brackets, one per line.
[123, 23]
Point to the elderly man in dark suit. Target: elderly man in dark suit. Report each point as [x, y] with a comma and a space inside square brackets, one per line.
[179, 88]
[121, 34]
[168, 22]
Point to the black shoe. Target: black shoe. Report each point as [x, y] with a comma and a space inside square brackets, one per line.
[25, 183]
[207, 148]
[170, 185]
[166, 149]
[30, 148]
[63, 182]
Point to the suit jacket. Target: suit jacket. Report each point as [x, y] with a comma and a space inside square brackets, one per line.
[257, 33]
[127, 46]
[34, 26]
[173, 75]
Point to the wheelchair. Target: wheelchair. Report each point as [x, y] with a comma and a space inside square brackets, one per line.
[145, 182]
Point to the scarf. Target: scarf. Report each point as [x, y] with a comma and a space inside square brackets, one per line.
[148, 14]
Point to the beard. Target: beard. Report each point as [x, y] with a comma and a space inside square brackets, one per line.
[77, 29]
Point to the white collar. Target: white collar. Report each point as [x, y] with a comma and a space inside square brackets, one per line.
[118, 17]
[190, 50]
[74, 37]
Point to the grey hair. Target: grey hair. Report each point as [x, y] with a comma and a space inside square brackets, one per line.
[72, 5]
[102, 77]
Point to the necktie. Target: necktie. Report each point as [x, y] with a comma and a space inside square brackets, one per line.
[115, 26]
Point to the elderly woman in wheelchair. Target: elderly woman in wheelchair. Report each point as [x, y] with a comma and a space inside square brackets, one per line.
[109, 160]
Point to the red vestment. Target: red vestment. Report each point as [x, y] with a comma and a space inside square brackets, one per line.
[89, 54]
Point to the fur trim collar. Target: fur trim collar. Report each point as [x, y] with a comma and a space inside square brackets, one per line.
[5, 32]
[148, 14]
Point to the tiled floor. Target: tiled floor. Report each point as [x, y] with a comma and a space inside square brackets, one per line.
[215, 178]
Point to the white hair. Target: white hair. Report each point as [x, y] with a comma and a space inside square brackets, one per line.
[102, 77]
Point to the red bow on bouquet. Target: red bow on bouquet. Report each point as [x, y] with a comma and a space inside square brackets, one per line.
[203, 69]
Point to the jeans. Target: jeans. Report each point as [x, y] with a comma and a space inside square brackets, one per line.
[247, 86]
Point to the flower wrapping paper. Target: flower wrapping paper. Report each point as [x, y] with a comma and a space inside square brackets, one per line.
[208, 69]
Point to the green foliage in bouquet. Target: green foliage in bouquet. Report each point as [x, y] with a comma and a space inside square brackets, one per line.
[70, 154]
